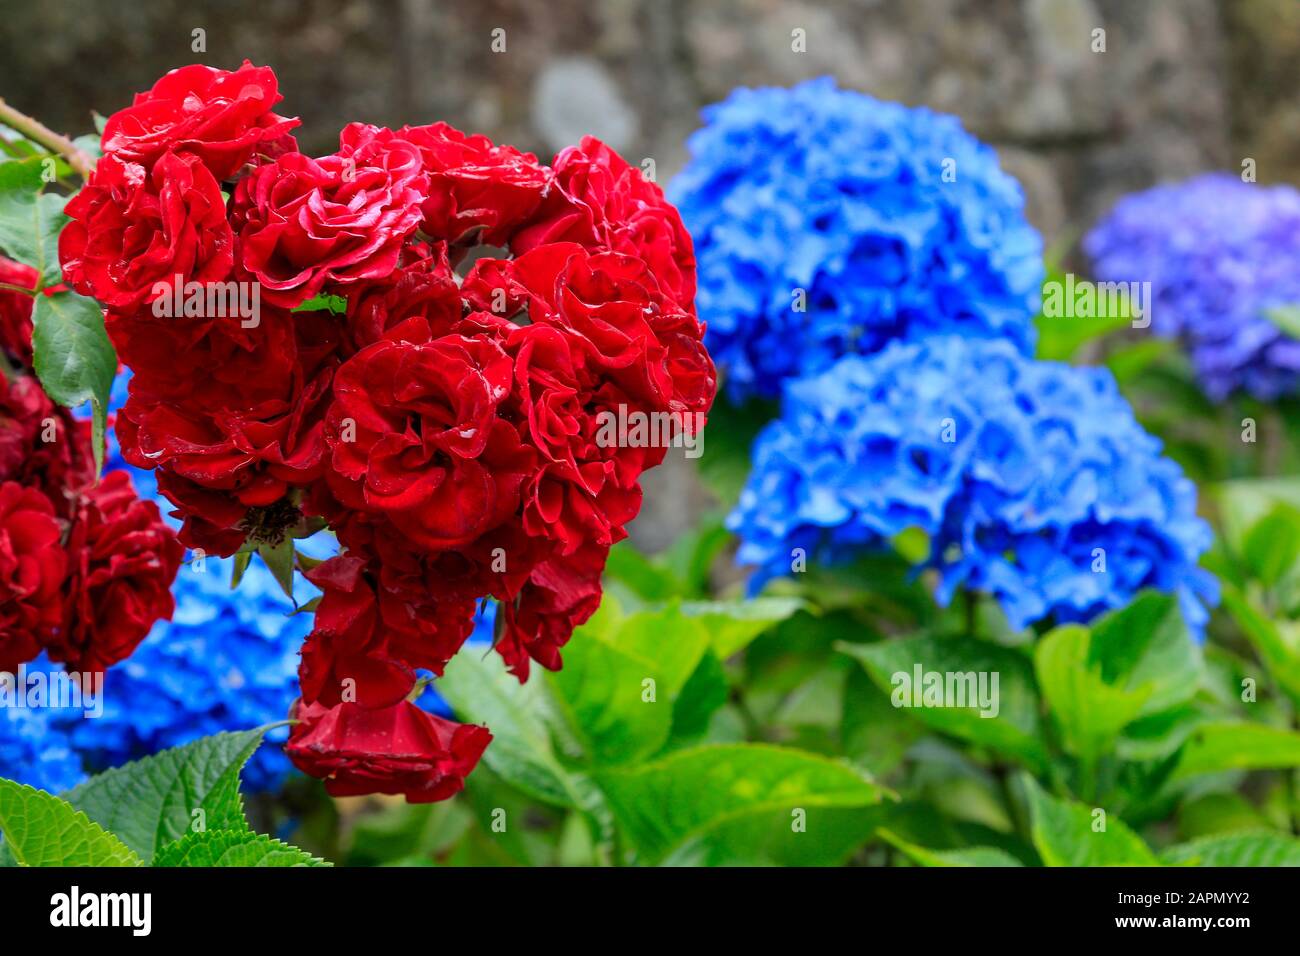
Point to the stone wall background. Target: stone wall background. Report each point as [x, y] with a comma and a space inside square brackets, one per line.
[1184, 85]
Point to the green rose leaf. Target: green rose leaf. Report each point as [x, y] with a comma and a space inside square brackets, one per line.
[73, 357]
[30, 219]
[40, 829]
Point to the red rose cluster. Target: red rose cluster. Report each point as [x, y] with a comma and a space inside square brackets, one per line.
[86, 567]
[441, 324]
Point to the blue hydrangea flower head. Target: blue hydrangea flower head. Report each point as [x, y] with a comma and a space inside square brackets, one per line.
[1219, 253]
[891, 222]
[37, 752]
[1033, 480]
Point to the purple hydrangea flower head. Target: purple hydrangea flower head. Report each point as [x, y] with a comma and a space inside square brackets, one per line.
[827, 222]
[1219, 253]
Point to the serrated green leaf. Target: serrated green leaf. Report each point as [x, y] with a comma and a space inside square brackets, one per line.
[152, 802]
[30, 219]
[232, 848]
[1016, 730]
[693, 793]
[1067, 833]
[41, 829]
[1251, 848]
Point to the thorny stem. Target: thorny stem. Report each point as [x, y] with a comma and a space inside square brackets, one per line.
[38, 132]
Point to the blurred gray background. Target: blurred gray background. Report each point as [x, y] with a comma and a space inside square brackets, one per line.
[1184, 85]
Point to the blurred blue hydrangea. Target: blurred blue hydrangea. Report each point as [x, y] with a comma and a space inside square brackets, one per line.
[1019, 471]
[1218, 253]
[895, 223]
[36, 751]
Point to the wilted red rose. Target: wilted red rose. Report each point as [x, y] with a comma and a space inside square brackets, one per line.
[33, 566]
[343, 218]
[123, 560]
[132, 230]
[394, 749]
[222, 117]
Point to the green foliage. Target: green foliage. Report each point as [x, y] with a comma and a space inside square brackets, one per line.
[181, 807]
[1067, 833]
[42, 830]
[73, 356]
[629, 736]
[31, 218]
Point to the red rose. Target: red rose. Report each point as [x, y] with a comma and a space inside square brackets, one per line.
[414, 435]
[41, 445]
[559, 596]
[605, 204]
[235, 441]
[424, 289]
[131, 231]
[341, 219]
[454, 434]
[395, 749]
[374, 638]
[478, 192]
[123, 562]
[32, 570]
[219, 116]
[16, 312]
